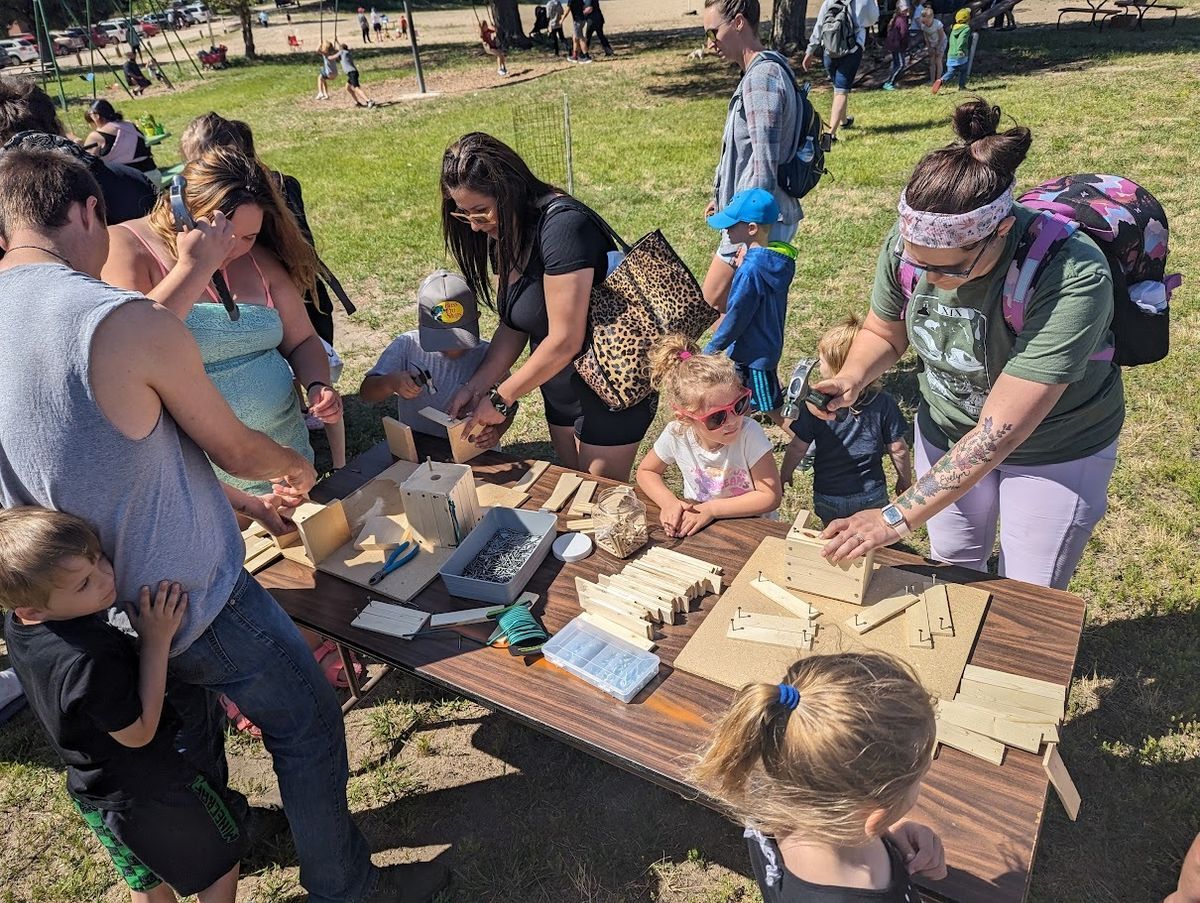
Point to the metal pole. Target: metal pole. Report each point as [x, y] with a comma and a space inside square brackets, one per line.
[412, 40]
[567, 142]
[91, 49]
[321, 15]
[39, 15]
[191, 59]
[335, 21]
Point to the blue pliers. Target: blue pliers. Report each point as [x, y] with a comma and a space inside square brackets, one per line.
[398, 559]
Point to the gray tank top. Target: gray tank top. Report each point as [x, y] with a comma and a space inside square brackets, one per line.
[158, 508]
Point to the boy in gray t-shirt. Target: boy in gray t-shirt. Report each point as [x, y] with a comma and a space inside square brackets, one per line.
[442, 354]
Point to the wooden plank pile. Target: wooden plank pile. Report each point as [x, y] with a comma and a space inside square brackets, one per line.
[650, 590]
[995, 709]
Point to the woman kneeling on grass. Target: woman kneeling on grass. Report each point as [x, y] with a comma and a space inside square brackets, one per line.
[1016, 426]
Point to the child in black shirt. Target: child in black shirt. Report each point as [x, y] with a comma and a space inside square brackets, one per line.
[101, 701]
[821, 768]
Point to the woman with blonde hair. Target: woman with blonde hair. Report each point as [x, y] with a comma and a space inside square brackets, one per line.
[268, 267]
[821, 768]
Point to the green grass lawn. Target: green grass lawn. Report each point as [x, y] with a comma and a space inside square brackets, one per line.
[646, 136]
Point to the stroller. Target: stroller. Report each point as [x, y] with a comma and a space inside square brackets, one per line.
[213, 58]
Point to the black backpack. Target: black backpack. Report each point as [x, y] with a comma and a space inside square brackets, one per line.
[803, 168]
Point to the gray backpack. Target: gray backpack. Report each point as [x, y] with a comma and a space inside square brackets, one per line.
[839, 34]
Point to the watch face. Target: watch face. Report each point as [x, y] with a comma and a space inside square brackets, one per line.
[891, 516]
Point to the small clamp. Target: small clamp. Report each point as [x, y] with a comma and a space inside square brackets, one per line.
[395, 561]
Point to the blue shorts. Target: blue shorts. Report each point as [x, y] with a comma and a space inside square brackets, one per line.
[766, 395]
[842, 70]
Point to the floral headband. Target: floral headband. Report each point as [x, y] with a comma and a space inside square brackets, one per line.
[952, 230]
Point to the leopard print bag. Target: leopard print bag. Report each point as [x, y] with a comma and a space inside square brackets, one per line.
[651, 293]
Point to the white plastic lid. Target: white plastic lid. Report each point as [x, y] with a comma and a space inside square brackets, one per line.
[572, 547]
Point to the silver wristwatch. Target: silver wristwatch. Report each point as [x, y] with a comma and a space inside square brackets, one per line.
[894, 518]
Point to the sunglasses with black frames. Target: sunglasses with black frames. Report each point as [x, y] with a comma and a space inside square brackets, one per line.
[982, 244]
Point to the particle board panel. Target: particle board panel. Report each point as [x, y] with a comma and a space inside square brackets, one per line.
[378, 498]
[712, 655]
[382, 532]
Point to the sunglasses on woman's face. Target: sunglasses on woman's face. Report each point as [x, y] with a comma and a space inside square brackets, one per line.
[474, 219]
[982, 244]
[716, 418]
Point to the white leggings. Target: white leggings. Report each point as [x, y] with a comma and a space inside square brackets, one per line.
[1047, 513]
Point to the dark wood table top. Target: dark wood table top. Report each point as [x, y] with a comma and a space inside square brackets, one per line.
[989, 817]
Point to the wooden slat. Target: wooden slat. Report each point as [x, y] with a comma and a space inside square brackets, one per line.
[1016, 682]
[974, 744]
[567, 484]
[937, 604]
[916, 618]
[602, 623]
[1056, 770]
[874, 615]
[1031, 701]
[785, 600]
[994, 815]
[581, 504]
[1022, 735]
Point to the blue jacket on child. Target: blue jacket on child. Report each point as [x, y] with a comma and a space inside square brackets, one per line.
[752, 330]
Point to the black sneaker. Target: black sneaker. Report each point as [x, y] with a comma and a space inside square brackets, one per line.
[413, 882]
[848, 124]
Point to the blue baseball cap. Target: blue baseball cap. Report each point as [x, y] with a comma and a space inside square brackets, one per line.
[754, 205]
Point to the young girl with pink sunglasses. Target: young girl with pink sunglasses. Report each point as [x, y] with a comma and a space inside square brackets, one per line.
[725, 458]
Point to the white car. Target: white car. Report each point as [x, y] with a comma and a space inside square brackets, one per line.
[16, 52]
[115, 31]
[199, 12]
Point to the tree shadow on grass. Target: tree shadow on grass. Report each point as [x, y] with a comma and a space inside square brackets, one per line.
[1134, 760]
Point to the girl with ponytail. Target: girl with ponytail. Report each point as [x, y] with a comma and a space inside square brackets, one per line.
[725, 457]
[1020, 403]
[821, 768]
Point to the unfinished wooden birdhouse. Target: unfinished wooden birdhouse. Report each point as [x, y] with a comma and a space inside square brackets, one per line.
[808, 570]
[440, 503]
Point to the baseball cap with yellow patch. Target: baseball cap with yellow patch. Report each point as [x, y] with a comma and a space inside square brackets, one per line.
[449, 316]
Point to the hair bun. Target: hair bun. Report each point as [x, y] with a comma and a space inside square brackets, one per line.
[975, 120]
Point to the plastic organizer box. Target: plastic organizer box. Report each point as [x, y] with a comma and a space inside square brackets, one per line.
[603, 660]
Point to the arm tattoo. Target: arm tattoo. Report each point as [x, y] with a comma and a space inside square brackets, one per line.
[955, 467]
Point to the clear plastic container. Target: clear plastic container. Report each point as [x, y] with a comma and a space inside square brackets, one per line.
[619, 521]
[606, 662]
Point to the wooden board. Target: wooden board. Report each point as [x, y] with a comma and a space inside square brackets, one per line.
[869, 617]
[808, 568]
[991, 724]
[602, 623]
[1056, 770]
[493, 496]
[400, 439]
[974, 744]
[916, 624]
[937, 604]
[462, 449]
[382, 532]
[711, 654]
[379, 497]
[264, 558]
[785, 600]
[582, 503]
[1057, 692]
[566, 485]
[1047, 723]
[531, 476]
[1032, 702]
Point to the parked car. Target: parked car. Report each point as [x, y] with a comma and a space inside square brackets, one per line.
[148, 29]
[199, 12]
[115, 31]
[16, 52]
[71, 40]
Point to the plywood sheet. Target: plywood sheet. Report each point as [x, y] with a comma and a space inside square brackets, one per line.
[493, 496]
[402, 585]
[712, 655]
[378, 498]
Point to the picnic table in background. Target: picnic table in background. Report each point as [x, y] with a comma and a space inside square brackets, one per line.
[988, 816]
[1120, 10]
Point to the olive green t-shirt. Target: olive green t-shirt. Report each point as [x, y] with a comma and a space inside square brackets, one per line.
[964, 344]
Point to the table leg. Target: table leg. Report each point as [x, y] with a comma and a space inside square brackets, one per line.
[358, 692]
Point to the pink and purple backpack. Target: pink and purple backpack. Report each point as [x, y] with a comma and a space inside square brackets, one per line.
[1129, 225]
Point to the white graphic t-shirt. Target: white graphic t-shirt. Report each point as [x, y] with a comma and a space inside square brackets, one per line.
[720, 474]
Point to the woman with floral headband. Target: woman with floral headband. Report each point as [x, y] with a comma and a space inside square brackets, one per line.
[1019, 426]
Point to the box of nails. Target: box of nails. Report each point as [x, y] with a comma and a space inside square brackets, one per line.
[495, 561]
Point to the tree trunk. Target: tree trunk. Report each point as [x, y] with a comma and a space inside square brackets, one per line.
[247, 33]
[787, 26]
[507, 21]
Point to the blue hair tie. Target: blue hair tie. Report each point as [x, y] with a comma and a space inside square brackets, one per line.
[789, 697]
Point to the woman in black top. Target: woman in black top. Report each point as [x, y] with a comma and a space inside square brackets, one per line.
[547, 250]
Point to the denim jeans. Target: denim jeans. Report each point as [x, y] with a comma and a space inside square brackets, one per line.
[253, 654]
[831, 507]
[956, 67]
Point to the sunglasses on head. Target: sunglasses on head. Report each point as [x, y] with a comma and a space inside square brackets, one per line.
[715, 419]
[982, 244]
[474, 219]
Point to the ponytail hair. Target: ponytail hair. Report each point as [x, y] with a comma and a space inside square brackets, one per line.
[973, 171]
[684, 375]
[860, 739]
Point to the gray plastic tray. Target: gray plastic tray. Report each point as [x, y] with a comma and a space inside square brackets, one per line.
[538, 523]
